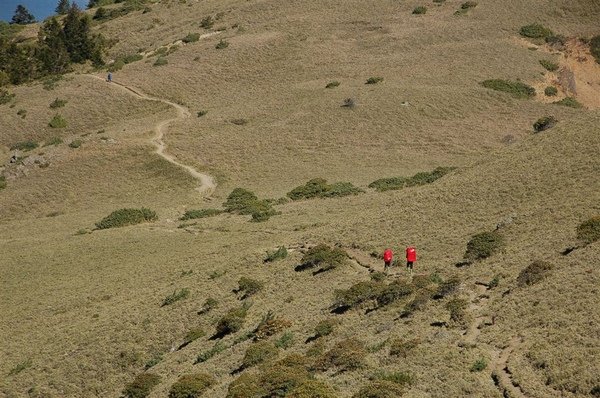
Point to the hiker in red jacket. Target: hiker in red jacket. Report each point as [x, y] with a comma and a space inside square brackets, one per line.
[411, 257]
[387, 258]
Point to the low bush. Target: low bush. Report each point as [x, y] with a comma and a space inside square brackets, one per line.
[124, 217]
[269, 326]
[589, 230]
[479, 365]
[346, 355]
[422, 178]
[325, 328]
[457, 308]
[419, 10]
[57, 103]
[483, 245]
[400, 378]
[278, 254]
[595, 50]
[175, 297]
[332, 84]
[2, 182]
[209, 305]
[24, 146]
[516, 89]
[193, 334]
[535, 31]
[202, 213]
[258, 353]
[380, 389]
[446, 288]
[207, 22]
[191, 38]
[75, 144]
[244, 202]
[285, 341]
[374, 80]
[57, 122]
[534, 273]
[232, 321]
[191, 385]
[349, 103]
[403, 347]
[318, 188]
[22, 113]
[544, 123]
[549, 65]
[570, 102]
[357, 294]
[550, 91]
[141, 386]
[416, 304]
[153, 361]
[201, 113]
[206, 355]
[160, 61]
[6, 97]
[324, 257]
[393, 292]
[249, 286]
[468, 4]
[222, 44]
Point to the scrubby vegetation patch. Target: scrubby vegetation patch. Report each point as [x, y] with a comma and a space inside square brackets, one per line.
[124, 217]
[422, 178]
[141, 386]
[202, 213]
[323, 257]
[191, 385]
[589, 230]
[319, 188]
[483, 245]
[517, 89]
[544, 123]
[534, 273]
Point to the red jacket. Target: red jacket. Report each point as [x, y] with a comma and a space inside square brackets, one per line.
[411, 254]
[388, 255]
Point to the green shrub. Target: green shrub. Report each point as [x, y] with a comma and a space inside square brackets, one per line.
[124, 217]
[332, 84]
[222, 44]
[2, 182]
[160, 61]
[468, 4]
[192, 335]
[207, 22]
[206, 355]
[544, 123]
[116, 66]
[483, 245]
[517, 89]
[51, 82]
[595, 49]
[249, 286]
[153, 361]
[57, 122]
[446, 288]
[57, 103]
[191, 385]
[128, 59]
[24, 146]
[570, 102]
[278, 254]
[380, 389]
[374, 80]
[393, 292]
[323, 256]
[550, 91]
[589, 230]
[6, 97]
[346, 355]
[269, 326]
[208, 306]
[325, 328]
[479, 365]
[258, 353]
[22, 113]
[202, 213]
[201, 113]
[549, 65]
[416, 304]
[242, 201]
[403, 347]
[535, 31]
[419, 10]
[232, 321]
[191, 38]
[141, 386]
[176, 296]
[457, 308]
[20, 367]
[357, 294]
[422, 178]
[318, 188]
[534, 273]
[378, 276]
[285, 341]
[75, 144]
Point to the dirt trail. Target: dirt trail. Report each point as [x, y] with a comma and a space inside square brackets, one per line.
[501, 372]
[207, 183]
[478, 299]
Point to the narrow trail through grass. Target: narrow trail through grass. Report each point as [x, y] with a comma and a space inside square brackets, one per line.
[207, 183]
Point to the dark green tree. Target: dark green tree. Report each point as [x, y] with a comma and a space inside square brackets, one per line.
[22, 16]
[52, 52]
[62, 7]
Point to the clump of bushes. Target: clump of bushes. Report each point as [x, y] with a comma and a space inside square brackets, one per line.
[57, 122]
[269, 326]
[160, 61]
[479, 365]
[259, 352]
[549, 65]
[57, 103]
[346, 355]
[416, 304]
[191, 385]
[5, 96]
[393, 292]
[446, 288]
[24, 146]
[374, 80]
[249, 286]
[419, 10]
[570, 102]
[332, 84]
[517, 89]
[324, 328]
[124, 217]
[222, 44]
[192, 335]
[544, 123]
[422, 178]
[324, 257]
[457, 307]
[595, 50]
[535, 31]
[202, 213]
[141, 386]
[356, 295]
[207, 22]
[191, 38]
[244, 202]
[175, 297]
[483, 245]
[278, 254]
[534, 273]
[206, 355]
[550, 91]
[403, 347]
[232, 321]
[318, 188]
[589, 230]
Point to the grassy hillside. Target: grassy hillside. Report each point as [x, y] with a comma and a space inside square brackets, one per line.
[84, 311]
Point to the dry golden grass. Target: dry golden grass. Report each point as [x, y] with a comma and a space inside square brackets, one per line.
[82, 311]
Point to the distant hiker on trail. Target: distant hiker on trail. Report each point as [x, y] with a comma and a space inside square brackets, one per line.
[109, 77]
[411, 257]
[387, 258]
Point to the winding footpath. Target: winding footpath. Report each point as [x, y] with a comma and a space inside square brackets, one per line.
[207, 183]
